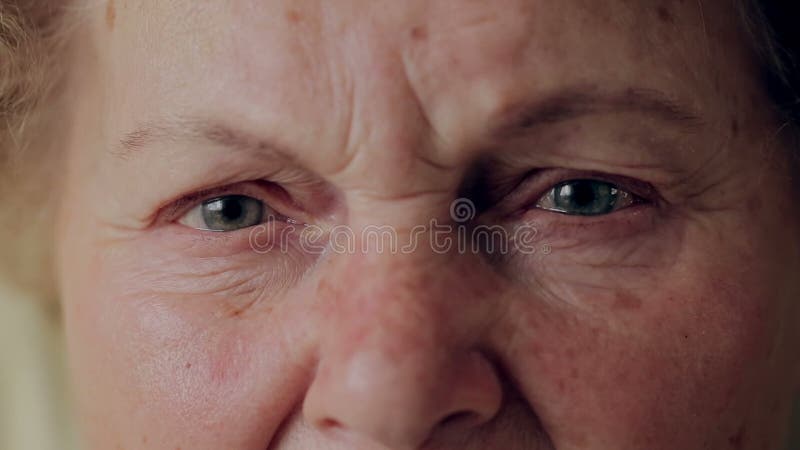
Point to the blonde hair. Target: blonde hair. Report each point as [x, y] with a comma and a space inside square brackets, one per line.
[31, 37]
[26, 35]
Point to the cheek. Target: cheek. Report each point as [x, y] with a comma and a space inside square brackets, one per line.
[655, 353]
[165, 349]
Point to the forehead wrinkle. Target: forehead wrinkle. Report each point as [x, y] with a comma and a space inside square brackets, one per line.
[556, 111]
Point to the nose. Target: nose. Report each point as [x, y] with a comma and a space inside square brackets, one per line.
[398, 358]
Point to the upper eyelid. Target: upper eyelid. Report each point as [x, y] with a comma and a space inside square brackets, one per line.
[622, 182]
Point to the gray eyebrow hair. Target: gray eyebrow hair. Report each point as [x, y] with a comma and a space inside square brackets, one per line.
[514, 121]
[578, 102]
[183, 128]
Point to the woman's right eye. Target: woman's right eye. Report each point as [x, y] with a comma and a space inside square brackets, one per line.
[227, 213]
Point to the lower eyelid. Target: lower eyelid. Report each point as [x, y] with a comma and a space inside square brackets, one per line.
[553, 226]
[190, 242]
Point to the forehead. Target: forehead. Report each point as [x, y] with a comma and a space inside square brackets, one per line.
[327, 63]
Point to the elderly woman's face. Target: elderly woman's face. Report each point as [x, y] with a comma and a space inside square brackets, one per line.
[634, 287]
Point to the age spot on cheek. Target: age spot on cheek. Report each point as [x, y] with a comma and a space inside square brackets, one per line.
[627, 302]
[111, 14]
[419, 33]
[294, 16]
[664, 15]
[737, 440]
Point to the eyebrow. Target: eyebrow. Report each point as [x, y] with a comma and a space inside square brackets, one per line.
[575, 103]
[183, 128]
[513, 121]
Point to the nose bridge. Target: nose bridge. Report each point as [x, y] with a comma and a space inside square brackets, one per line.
[387, 299]
[397, 353]
[390, 329]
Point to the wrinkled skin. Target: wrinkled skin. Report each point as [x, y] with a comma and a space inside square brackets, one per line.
[669, 324]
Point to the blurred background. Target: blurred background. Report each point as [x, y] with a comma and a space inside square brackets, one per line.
[34, 404]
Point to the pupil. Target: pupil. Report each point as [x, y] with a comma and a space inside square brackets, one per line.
[231, 209]
[231, 213]
[583, 193]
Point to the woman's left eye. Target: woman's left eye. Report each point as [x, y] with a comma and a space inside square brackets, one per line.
[227, 213]
[585, 198]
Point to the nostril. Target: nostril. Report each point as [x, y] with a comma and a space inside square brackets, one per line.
[368, 394]
[460, 418]
[329, 424]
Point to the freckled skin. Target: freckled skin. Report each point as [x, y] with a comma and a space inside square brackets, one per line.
[111, 14]
[737, 440]
[664, 14]
[670, 326]
[419, 33]
[294, 16]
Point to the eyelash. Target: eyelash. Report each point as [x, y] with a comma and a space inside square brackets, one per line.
[520, 206]
[269, 193]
